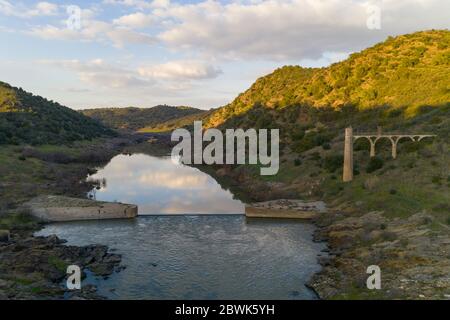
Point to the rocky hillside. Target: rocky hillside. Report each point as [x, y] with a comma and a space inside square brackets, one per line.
[135, 119]
[26, 118]
[410, 71]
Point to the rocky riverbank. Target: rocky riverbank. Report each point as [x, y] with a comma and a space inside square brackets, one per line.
[35, 267]
[413, 251]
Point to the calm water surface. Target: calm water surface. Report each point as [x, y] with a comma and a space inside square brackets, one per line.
[159, 186]
[200, 256]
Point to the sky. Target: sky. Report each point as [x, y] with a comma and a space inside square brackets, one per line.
[199, 53]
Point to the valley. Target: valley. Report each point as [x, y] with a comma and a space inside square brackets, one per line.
[395, 213]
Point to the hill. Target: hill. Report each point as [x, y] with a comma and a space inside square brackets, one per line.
[180, 122]
[395, 213]
[27, 118]
[135, 119]
[410, 71]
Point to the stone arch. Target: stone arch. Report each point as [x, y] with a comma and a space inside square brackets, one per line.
[394, 141]
[373, 141]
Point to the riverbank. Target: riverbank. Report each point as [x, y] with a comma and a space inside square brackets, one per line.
[33, 267]
[396, 218]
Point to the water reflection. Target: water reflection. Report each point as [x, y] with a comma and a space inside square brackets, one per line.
[159, 186]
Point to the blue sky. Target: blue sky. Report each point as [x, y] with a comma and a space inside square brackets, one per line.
[201, 53]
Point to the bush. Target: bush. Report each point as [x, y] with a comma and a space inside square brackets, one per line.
[326, 146]
[333, 162]
[375, 163]
[297, 162]
[436, 180]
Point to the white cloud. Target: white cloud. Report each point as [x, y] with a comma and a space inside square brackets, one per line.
[93, 30]
[140, 4]
[292, 29]
[181, 70]
[135, 20]
[98, 72]
[45, 9]
[40, 9]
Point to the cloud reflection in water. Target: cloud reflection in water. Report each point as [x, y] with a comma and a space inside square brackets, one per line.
[158, 186]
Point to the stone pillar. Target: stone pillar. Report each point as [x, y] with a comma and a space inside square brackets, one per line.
[394, 142]
[372, 147]
[348, 155]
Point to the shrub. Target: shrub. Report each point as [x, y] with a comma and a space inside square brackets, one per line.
[375, 163]
[333, 162]
[326, 146]
[436, 180]
[297, 162]
[393, 191]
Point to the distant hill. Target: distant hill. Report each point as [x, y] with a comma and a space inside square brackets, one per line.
[26, 118]
[135, 119]
[181, 122]
[407, 71]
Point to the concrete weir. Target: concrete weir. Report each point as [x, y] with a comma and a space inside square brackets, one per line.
[59, 208]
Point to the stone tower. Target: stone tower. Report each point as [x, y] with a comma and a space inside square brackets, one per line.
[348, 155]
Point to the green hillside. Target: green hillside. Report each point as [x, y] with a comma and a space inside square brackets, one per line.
[137, 118]
[26, 118]
[406, 71]
[180, 122]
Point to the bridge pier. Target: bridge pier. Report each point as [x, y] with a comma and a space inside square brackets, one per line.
[348, 155]
[372, 147]
[394, 142]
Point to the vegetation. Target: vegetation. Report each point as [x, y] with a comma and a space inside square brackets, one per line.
[410, 71]
[179, 122]
[26, 118]
[375, 163]
[135, 119]
[402, 85]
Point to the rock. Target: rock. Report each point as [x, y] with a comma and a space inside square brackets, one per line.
[4, 236]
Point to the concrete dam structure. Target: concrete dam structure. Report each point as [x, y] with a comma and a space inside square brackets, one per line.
[59, 208]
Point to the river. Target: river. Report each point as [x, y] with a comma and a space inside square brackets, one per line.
[191, 240]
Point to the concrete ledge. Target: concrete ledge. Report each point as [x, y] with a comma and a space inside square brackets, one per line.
[59, 208]
[288, 209]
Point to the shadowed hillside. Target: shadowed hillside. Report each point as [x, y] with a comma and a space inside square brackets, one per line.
[26, 118]
[135, 119]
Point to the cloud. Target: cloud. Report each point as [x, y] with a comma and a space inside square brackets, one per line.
[40, 9]
[135, 20]
[139, 4]
[94, 30]
[292, 29]
[173, 74]
[45, 9]
[181, 70]
[98, 72]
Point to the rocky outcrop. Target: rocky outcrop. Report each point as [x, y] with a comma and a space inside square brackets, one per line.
[291, 209]
[413, 257]
[36, 267]
[59, 208]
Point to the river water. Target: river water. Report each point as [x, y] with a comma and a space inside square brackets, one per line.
[191, 240]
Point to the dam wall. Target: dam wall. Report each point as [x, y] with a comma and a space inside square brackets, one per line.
[60, 208]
